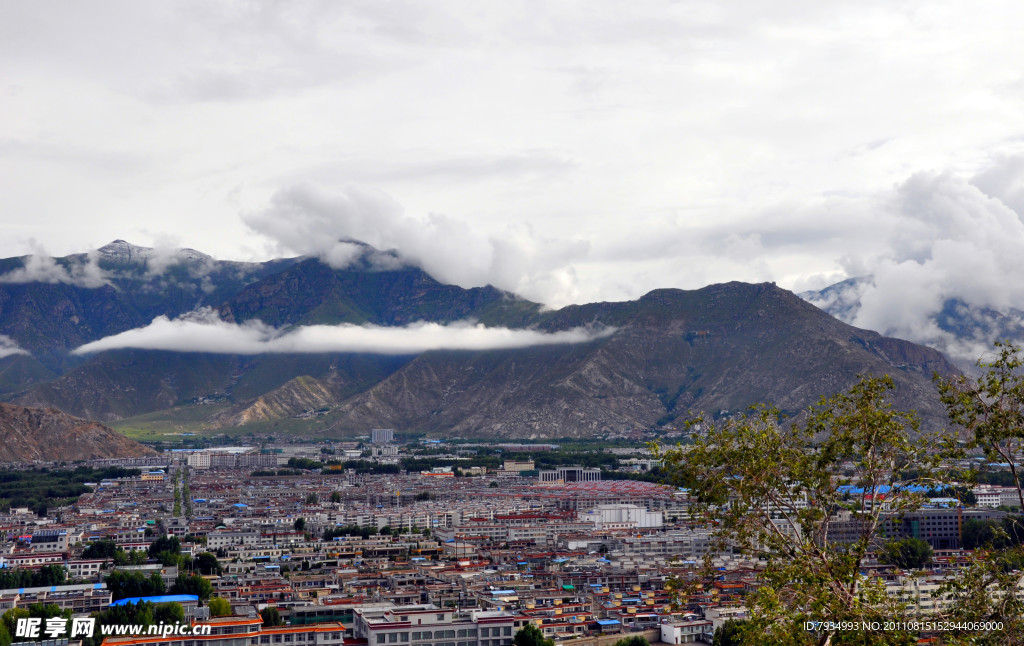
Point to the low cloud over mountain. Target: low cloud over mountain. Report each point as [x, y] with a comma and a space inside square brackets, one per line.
[204, 331]
[9, 347]
[39, 267]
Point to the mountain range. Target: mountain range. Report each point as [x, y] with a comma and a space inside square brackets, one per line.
[651, 362]
[964, 332]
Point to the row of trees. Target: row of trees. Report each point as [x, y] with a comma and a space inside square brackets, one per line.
[774, 491]
[44, 488]
[166, 550]
[23, 578]
[143, 613]
[363, 531]
[129, 584]
[109, 550]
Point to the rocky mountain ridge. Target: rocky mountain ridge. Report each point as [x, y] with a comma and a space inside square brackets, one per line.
[673, 353]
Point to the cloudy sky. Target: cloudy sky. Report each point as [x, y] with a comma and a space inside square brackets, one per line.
[569, 151]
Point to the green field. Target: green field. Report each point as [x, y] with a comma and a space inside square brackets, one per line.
[169, 425]
[176, 425]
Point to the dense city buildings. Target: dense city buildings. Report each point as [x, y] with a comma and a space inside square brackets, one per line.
[348, 547]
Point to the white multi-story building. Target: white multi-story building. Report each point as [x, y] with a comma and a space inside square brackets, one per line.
[623, 517]
[218, 539]
[686, 632]
[987, 497]
[427, 625]
[570, 474]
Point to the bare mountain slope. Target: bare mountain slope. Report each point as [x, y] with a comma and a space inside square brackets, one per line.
[47, 434]
[676, 354]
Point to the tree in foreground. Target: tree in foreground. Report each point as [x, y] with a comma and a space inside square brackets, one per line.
[780, 493]
[530, 635]
[989, 412]
[729, 633]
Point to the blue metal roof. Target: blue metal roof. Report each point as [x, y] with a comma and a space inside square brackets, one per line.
[881, 489]
[164, 598]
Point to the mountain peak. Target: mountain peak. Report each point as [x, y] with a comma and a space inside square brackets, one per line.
[123, 252]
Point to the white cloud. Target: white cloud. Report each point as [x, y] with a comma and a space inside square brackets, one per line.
[582, 119]
[9, 347]
[41, 268]
[166, 253]
[306, 219]
[204, 331]
[580, 151]
[947, 249]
